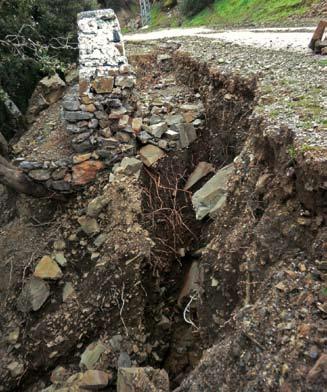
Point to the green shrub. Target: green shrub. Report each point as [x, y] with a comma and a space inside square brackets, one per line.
[191, 7]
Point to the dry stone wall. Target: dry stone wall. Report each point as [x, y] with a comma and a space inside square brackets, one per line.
[98, 112]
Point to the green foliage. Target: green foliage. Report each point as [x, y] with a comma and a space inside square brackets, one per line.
[292, 153]
[36, 39]
[231, 12]
[191, 7]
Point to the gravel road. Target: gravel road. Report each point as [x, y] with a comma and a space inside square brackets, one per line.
[296, 39]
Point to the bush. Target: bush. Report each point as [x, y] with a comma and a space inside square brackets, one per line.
[191, 7]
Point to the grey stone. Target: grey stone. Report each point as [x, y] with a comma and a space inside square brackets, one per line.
[172, 135]
[61, 186]
[151, 154]
[212, 196]
[115, 342]
[26, 165]
[155, 119]
[157, 130]
[201, 170]
[100, 240]
[34, 294]
[71, 104]
[60, 258]
[124, 360]
[91, 355]
[77, 116]
[174, 119]
[96, 206]
[93, 123]
[130, 165]
[144, 137]
[39, 174]
[187, 134]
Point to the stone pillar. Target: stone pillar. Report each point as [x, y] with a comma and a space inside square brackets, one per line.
[100, 109]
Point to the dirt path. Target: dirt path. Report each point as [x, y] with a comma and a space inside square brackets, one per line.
[296, 39]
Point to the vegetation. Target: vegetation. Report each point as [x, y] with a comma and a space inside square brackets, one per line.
[249, 11]
[190, 7]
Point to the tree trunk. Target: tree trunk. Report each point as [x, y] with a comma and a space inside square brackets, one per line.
[16, 179]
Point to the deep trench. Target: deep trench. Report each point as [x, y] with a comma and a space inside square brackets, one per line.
[169, 215]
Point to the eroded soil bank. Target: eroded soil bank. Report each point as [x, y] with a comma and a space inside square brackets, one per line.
[235, 302]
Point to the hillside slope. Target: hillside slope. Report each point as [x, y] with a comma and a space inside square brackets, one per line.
[243, 12]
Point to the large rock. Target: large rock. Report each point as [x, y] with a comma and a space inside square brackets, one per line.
[52, 88]
[212, 196]
[95, 380]
[47, 269]
[91, 355]
[96, 206]
[86, 171]
[34, 294]
[151, 154]
[142, 380]
[187, 134]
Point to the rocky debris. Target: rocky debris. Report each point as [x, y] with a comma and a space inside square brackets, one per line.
[212, 196]
[129, 166]
[94, 380]
[86, 172]
[96, 206]
[319, 371]
[89, 225]
[68, 291]
[142, 380]
[48, 91]
[192, 283]
[151, 154]
[34, 294]
[91, 355]
[202, 170]
[47, 268]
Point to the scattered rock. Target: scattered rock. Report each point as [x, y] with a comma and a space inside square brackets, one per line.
[47, 269]
[187, 134]
[151, 154]
[124, 360]
[212, 196]
[91, 355]
[89, 225]
[157, 130]
[142, 380]
[96, 206]
[34, 294]
[95, 380]
[16, 369]
[68, 291]
[319, 371]
[130, 166]
[201, 170]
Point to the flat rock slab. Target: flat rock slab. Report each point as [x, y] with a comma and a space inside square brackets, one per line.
[151, 154]
[212, 195]
[34, 294]
[47, 268]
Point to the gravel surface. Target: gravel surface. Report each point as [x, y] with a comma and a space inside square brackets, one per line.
[273, 38]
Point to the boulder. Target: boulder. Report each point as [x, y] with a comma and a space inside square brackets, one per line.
[212, 196]
[142, 380]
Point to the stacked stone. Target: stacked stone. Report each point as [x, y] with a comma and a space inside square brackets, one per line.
[98, 113]
[101, 109]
